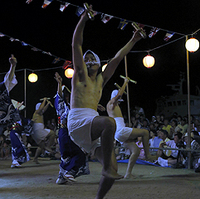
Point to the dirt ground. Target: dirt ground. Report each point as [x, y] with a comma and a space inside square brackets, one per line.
[38, 182]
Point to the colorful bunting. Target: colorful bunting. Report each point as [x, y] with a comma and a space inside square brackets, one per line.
[66, 64]
[47, 53]
[79, 11]
[46, 3]
[153, 31]
[63, 6]
[35, 49]
[105, 18]
[168, 36]
[24, 44]
[122, 24]
[1, 34]
[12, 39]
[29, 1]
[56, 60]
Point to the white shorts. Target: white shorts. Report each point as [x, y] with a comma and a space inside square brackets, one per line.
[79, 127]
[39, 132]
[122, 133]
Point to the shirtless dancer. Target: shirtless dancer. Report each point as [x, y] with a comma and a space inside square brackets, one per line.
[42, 135]
[126, 135]
[87, 129]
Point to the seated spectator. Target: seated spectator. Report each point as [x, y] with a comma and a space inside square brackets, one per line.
[170, 157]
[167, 126]
[195, 156]
[163, 134]
[140, 146]
[156, 141]
[173, 128]
[145, 124]
[5, 150]
[152, 135]
[182, 127]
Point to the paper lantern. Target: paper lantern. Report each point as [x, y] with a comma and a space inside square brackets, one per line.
[32, 78]
[192, 44]
[69, 72]
[148, 61]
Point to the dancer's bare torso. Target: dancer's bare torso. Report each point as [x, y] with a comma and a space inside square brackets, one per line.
[86, 94]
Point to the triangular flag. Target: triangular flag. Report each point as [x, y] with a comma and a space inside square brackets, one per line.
[79, 11]
[105, 18]
[35, 49]
[153, 31]
[168, 35]
[48, 53]
[63, 6]
[29, 1]
[13, 39]
[24, 44]
[1, 34]
[66, 64]
[46, 3]
[122, 24]
[57, 59]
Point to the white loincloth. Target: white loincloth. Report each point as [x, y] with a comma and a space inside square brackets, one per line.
[39, 132]
[122, 133]
[79, 127]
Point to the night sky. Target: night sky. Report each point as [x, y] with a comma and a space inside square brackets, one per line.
[51, 30]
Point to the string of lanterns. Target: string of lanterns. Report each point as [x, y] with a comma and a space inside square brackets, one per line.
[192, 45]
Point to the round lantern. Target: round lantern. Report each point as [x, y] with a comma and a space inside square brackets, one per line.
[32, 78]
[69, 72]
[148, 61]
[192, 44]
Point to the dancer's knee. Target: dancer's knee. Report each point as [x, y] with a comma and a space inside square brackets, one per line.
[109, 124]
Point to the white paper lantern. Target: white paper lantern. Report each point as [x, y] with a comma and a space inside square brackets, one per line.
[148, 61]
[69, 72]
[32, 78]
[192, 44]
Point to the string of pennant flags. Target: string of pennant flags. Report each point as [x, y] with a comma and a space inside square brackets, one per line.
[105, 18]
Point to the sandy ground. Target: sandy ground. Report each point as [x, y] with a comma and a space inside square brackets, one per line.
[38, 181]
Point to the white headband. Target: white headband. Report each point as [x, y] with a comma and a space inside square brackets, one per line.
[95, 55]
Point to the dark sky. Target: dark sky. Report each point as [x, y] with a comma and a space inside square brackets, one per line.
[51, 30]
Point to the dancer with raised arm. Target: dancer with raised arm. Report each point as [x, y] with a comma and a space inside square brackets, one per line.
[87, 129]
[126, 135]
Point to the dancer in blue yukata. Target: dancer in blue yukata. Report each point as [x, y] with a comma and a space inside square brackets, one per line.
[9, 116]
[73, 159]
[19, 152]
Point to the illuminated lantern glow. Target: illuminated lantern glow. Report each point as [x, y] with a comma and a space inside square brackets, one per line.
[69, 72]
[192, 44]
[32, 78]
[148, 61]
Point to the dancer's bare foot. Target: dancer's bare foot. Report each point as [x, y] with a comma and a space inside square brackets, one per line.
[129, 176]
[112, 174]
[151, 158]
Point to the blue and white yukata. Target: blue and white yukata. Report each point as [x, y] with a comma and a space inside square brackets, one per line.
[73, 159]
[19, 152]
[9, 116]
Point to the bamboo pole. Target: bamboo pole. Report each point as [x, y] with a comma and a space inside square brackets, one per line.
[127, 90]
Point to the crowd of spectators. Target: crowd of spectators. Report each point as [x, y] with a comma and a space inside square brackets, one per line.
[170, 133]
[163, 133]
